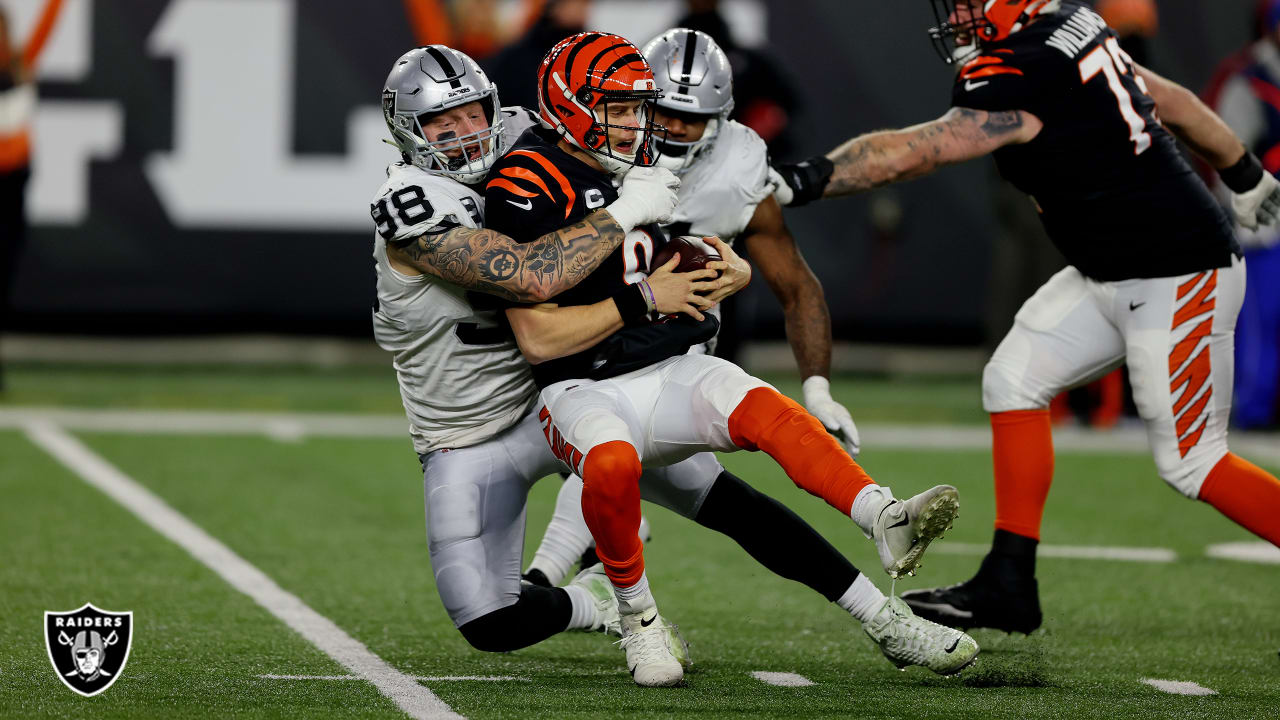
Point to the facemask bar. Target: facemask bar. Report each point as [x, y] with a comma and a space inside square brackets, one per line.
[943, 35]
[451, 156]
[648, 134]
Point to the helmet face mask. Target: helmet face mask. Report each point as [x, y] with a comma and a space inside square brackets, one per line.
[431, 80]
[585, 76]
[696, 81]
[963, 25]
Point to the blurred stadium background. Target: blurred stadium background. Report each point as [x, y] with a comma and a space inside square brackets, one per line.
[202, 167]
[200, 240]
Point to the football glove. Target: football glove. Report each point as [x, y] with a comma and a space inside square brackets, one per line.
[803, 182]
[833, 416]
[647, 195]
[1259, 206]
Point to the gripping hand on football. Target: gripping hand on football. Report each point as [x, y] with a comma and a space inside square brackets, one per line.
[675, 292]
[647, 195]
[833, 416]
[735, 273]
[1260, 206]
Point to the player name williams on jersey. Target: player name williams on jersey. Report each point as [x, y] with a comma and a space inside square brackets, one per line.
[537, 188]
[1116, 195]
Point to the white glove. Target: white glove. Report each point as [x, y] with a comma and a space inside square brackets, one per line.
[832, 415]
[1259, 206]
[647, 195]
[782, 192]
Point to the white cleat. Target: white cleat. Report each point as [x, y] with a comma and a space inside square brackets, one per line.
[906, 639]
[904, 528]
[647, 640]
[594, 581]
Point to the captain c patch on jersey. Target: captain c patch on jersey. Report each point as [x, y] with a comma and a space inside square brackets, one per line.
[88, 647]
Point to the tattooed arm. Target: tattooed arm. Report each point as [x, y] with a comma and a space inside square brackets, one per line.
[489, 262]
[890, 156]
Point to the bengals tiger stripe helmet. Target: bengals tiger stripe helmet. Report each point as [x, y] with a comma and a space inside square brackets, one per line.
[958, 34]
[578, 79]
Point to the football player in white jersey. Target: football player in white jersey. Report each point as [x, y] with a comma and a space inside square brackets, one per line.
[466, 389]
[726, 191]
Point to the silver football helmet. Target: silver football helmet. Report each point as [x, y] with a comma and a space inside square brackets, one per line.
[695, 78]
[431, 79]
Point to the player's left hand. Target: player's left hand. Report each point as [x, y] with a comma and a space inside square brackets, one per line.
[1260, 206]
[833, 416]
[735, 273]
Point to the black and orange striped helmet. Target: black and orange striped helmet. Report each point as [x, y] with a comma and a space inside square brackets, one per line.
[581, 75]
[986, 21]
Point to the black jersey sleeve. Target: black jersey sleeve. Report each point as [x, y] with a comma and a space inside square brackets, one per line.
[527, 196]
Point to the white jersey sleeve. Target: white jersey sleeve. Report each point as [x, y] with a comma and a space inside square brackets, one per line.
[462, 379]
[515, 120]
[720, 192]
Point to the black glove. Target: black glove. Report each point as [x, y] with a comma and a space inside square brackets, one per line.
[807, 180]
[639, 346]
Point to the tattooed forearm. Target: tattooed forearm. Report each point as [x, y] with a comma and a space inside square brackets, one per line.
[488, 261]
[881, 158]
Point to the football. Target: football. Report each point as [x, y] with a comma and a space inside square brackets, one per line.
[695, 253]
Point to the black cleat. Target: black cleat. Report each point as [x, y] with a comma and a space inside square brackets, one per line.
[997, 597]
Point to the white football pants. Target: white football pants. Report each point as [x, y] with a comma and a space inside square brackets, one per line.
[1176, 334]
[475, 502]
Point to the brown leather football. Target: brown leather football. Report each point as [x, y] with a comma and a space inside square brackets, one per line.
[695, 253]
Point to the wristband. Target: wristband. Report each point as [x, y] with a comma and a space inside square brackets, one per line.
[632, 304]
[1244, 175]
[647, 290]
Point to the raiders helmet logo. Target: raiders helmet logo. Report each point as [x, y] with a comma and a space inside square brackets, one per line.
[88, 647]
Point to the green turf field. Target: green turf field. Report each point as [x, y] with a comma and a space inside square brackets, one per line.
[339, 523]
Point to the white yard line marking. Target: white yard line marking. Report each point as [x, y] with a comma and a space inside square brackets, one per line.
[781, 679]
[1254, 552]
[423, 678]
[1079, 552]
[1176, 687]
[414, 699]
[291, 426]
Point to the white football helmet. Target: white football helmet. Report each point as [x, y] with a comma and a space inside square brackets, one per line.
[431, 79]
[695, 78]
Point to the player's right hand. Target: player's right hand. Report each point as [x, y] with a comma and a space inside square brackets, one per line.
[1260, 206]
[801, 183]
[647, 195]
[675, 292]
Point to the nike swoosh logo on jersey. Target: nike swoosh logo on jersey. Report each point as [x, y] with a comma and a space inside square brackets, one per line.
[527, 205]
[971, 85]
[1134, 306]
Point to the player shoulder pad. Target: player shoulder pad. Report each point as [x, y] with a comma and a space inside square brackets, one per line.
[413, 202]
[747, 160]
[528, 179]
[515, 120]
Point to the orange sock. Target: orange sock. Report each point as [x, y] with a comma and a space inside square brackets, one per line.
[1022, 448]
[770, 421]
[1247, 494]
[611, 507]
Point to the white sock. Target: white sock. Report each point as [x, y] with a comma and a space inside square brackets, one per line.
[636, 598]
[583, 616]
[567, 535]
[862, 599]
[866, 506]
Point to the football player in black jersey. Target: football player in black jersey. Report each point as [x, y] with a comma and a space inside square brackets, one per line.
[1155, 278]
[621, 396]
